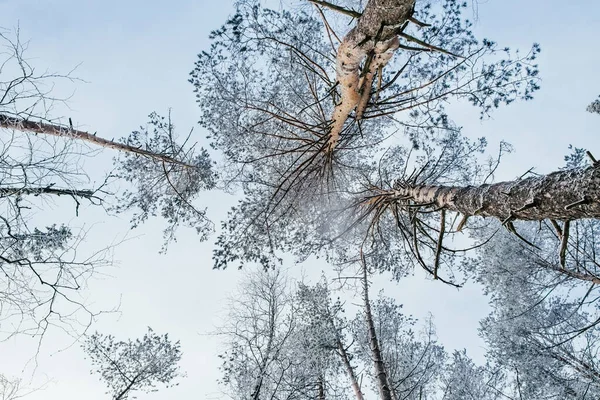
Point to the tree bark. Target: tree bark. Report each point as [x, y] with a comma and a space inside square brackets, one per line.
[374, 39]
[49, 190]
[23, 125]
[380, 372]
[320, 389]
[562, 195]
[349, 370]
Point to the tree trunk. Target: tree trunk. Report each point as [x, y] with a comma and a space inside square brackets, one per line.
[562, 195]
[374, 39]
[350, 370]
[320, 389]
[49, 190]
[380, 372]
[266, 358]
[9, 122]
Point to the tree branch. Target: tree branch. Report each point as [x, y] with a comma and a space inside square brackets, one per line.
[23, 125]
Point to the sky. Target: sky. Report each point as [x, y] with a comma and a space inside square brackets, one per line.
[135, 57]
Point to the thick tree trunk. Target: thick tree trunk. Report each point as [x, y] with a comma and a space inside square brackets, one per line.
[18, 124]
[380, 372]
[375, 40]
[562, 195]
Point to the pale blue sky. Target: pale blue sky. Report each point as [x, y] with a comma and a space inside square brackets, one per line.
[136, 56]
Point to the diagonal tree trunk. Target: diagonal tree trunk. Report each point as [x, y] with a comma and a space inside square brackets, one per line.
[562, 195]
[380, 371]
[349, 370]
[48, 190]
[373, 40]
[23, 125]
[346, 360]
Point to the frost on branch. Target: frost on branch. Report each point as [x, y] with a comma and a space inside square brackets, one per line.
[168, 190]
[134, 365]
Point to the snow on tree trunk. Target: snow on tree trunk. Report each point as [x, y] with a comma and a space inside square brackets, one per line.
[374, 38]
[23, 125]
[562, 195]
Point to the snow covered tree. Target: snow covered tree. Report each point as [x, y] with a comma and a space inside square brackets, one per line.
[134, 365]
[44, 164]
[326, 356]
[259, 326]
[278, 97]
[543, 327]
[338, 145]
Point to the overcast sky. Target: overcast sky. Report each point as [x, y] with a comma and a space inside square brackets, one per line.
[136, 55]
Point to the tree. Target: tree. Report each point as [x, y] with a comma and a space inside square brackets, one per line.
[544, 324]
[594, 107]
[134, 365]
[43, 163]
[321, 363]
[267, 89]
[259, 326]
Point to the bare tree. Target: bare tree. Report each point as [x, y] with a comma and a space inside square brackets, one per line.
[12, 389]
[259, 326]
[43, 165]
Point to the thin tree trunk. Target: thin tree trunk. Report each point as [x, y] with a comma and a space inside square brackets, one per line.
[562, 195]
[380, 372]
[123, 394]
[350, 370]
[265, 361]
[374, 38]
[9, 122]
[320, 389]
[37, 191]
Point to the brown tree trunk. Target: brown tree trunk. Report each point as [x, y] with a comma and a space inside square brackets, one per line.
[380, 372]
[374, 39]
[562, 195]
[18, 124]
[320, 389]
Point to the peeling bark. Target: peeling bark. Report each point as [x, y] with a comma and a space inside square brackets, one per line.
[562, 195]
[23, 125]
[373, 38]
